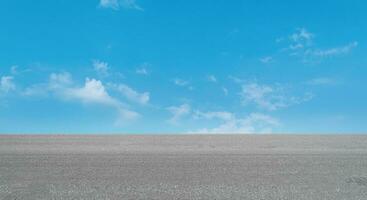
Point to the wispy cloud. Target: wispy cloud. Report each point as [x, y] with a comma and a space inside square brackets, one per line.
[178, 112]
[212, 78]
[36, 90]
[223, 115]
[233, 32]
[301, 43]
[57, 83]
[131, 94]
[60, 80]
[270, 98]
[14, 69]
[114, 4]
[180, 82]
[333, 51]
[236, 79]
[92, 92]
[230, 124]
[117, 4]
[142, 69]
[131, 4]
[7, 84]
[267, 59]
[101, 68]
[321, 81]
[225, 91]
[302, 36]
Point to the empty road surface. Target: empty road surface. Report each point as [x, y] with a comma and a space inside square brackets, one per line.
[260, 167]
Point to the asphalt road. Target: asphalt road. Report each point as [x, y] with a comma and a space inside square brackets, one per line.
[183, 167]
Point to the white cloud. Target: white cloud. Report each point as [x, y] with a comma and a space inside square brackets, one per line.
[142, 70]
[36, 90]
[117, 4]
[225, 91]
[114, 4]
[333, 51]
[270, 97]
[299, 41]
[279, 39]
[178, 112]
[230, 124]
[262, 95]
[234, 32]
[180, 82]
[266, 60]
[7, 84]
[301, 44]
[212, 115]
[302, 36]
[92, 92]
[132, 95]
[183, 83]
[126, 115]
[101, 67]
[295, 47]
[131, 4]
[60, 80]
[212, 78]
[57, 83]
[321, 81]
[14, 69]
[236, 79]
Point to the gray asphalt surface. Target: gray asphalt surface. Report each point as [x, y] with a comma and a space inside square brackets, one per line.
[183, 167]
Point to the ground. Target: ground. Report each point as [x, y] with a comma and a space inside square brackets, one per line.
[184, 167]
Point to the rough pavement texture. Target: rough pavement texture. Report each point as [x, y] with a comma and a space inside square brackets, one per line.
[183, 167]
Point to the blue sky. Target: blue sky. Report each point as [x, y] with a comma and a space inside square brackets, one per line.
[143, 66]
